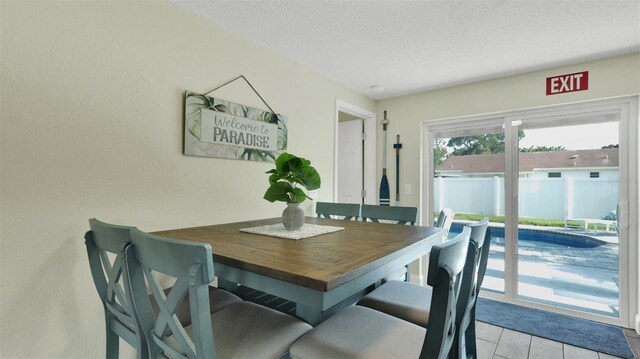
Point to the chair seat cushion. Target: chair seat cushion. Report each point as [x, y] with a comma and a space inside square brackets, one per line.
[359, 332]
[218, 299]
[402, 300]
[248, 330]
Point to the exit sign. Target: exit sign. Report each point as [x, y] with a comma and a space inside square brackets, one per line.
[568, 83]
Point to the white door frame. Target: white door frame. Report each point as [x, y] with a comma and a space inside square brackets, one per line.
[369, 153]
[627, 109]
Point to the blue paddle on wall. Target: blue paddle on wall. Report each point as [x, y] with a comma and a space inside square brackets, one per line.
[384, 183]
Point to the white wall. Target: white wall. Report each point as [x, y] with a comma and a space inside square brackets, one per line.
[92, 127]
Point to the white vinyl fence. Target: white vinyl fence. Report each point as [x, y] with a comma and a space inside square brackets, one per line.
[549, 198]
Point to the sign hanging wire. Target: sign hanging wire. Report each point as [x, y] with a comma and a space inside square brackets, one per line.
[248, 83]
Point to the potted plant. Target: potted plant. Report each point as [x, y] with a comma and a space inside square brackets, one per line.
[285, 182]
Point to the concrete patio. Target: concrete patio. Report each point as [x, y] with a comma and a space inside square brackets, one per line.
[585, 279]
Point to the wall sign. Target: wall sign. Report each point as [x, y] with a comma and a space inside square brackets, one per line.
[224, 129]
[578, 81]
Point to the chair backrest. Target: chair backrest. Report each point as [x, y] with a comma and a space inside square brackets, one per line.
[469, 284]
[402, 215]
[446, 263]
[484, 258]
[470, 348]
[191, 264]
[346, 210]
[111, 279]
[445, 219]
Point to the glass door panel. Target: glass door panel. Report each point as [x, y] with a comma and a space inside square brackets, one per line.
[469, 179]
[568, 191]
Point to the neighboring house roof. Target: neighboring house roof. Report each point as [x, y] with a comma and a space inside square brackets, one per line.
[529, 161]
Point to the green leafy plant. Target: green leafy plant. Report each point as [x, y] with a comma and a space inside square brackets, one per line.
[290, 173]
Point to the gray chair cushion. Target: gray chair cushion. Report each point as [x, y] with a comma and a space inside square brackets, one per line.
[248, 330]
[402, 300]
[218, 299]
[359, 332]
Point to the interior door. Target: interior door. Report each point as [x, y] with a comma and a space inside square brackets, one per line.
[350, 161]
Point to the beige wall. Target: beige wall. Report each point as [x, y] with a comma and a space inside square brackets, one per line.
[92, 127]
[612, 77]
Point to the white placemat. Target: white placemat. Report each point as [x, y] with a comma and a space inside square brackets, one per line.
[278, 230]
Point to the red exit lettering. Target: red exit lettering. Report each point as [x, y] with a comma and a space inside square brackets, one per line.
[568, 83]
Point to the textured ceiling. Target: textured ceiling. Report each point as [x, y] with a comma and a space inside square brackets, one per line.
[412, 46]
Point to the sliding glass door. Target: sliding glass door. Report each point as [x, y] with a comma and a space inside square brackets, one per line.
[555, 184]
[568, 193]
[468, 178]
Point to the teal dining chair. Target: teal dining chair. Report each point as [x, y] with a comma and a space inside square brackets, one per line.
[407, 301]
[445, 220]
[470, 334]
[361, 332]
[347, 211]
[111, 279]
[105, 247]
[241, 330]
[481, 241]
[401, 215]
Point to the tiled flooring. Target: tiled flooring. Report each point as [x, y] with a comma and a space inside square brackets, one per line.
[499, 343]
[492, 342]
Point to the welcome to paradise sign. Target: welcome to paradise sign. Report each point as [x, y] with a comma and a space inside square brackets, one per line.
[224, 129]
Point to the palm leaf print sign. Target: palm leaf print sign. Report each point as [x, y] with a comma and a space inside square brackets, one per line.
[224, 129]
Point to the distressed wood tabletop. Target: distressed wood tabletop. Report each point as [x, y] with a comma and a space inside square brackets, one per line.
[321, 263]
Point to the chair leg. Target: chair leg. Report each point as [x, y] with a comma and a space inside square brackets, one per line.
[459, 350]
[154, 353]
[470, 335]
[113, 343]
[143, 348]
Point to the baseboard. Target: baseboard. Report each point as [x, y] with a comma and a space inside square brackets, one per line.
[637, 323]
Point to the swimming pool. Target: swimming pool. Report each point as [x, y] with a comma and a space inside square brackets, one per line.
[530, 237]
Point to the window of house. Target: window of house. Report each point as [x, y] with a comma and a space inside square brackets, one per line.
[594, 174]
[555, 175]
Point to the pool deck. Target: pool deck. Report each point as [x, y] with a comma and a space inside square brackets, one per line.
[586, 279]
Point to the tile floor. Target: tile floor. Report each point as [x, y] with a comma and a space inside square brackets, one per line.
[499, 343]
[493, 342]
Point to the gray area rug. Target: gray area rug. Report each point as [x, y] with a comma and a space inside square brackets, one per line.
[582, 333]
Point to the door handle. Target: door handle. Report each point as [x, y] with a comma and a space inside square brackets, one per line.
[622, 214]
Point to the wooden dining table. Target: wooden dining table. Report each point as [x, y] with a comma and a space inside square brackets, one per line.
[316, 273]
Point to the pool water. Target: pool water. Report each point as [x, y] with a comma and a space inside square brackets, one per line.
[539, 238]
